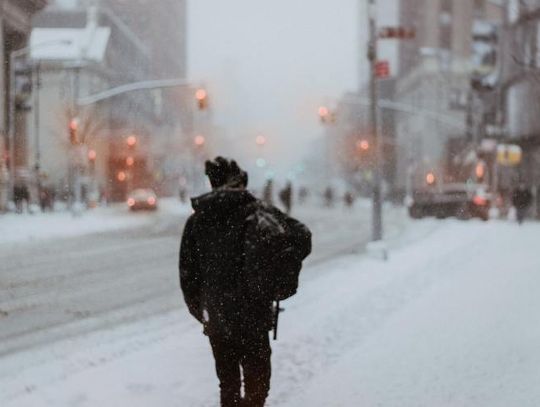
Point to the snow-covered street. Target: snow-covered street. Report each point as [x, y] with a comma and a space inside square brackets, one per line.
[449, 320]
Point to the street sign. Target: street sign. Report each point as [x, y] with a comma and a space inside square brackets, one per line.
[401, 33]
[382, 69]
[509, 155]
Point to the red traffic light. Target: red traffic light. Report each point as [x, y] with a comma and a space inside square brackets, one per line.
[92, 155]
[260, 140]
[430, 178]
[131, 141]
[362, 145]
[199, 140]
[202, 99]
[73, 131]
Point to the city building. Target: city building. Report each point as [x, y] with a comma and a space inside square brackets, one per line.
[107, 44]
[520, 88]
[435, 80]
[15, 27]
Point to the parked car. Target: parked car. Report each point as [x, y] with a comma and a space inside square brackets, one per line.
[464, 201]
[142, 199]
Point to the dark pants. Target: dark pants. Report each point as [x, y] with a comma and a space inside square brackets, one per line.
[253, 356]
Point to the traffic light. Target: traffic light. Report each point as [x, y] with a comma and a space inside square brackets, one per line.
[131, 141]
[363, 145]
[431, 179]
[260, 140]
[199, 140]
[92, 155]
[73, 131]
[130, 161]
[324, 114]
[480, 171]
[202, 99]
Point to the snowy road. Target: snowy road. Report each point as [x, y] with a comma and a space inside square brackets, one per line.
[58, 288]
[450, 320]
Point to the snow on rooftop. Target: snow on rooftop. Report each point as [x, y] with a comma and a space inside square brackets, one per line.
[69, 44]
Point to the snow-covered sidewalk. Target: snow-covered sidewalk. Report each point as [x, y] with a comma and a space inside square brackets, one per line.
[26, 227]
[450, 320]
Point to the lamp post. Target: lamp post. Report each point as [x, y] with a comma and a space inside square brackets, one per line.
[377, 187]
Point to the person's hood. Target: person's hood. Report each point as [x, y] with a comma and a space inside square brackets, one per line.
[222, 200]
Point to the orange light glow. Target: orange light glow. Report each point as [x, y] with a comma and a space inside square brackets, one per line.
[131, 141]
[430, 178]
[199, 140]
[480, 170]
[323, 111]
[362, 145]
[201, 94]
[92, 155]
[130, 161]
[260, 140]
[151, 201]
[121, 176]
[480, 201]
[131, 202]
[74, 124]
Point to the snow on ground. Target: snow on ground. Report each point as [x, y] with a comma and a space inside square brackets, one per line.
[450, 320]
[62, 224]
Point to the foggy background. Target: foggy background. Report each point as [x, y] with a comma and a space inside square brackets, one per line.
[269, 66]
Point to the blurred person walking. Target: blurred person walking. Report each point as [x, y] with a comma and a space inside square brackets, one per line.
[237, 256]
[521, 199]
[21, 197]
[285, 196]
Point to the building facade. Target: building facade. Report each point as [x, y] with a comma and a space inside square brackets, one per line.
[434, 79]
[520, 88]
[144, 43]
[15, 27]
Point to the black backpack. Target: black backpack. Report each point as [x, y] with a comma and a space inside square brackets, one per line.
[276, 245]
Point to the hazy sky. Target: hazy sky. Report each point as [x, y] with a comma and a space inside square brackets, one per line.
[268, 65]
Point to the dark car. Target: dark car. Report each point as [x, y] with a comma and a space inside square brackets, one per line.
[142, 199]
[463, 201]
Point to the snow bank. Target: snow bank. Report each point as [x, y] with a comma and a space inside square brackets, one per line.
[38, 226]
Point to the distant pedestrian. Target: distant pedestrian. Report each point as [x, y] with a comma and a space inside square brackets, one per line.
[234, 256]
[46, 199]
[285, 196]
[302, 195]
[521, 199]
[329, 197]
[268, 192]
[21, 197]
[348, 199]
[182, 194]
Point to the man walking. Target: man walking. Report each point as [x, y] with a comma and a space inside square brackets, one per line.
[521, 199]
[233, 301]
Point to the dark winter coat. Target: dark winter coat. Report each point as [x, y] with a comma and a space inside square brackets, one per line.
[212, 272]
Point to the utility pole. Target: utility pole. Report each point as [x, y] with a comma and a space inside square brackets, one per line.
[37, 146]
[377, 221]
